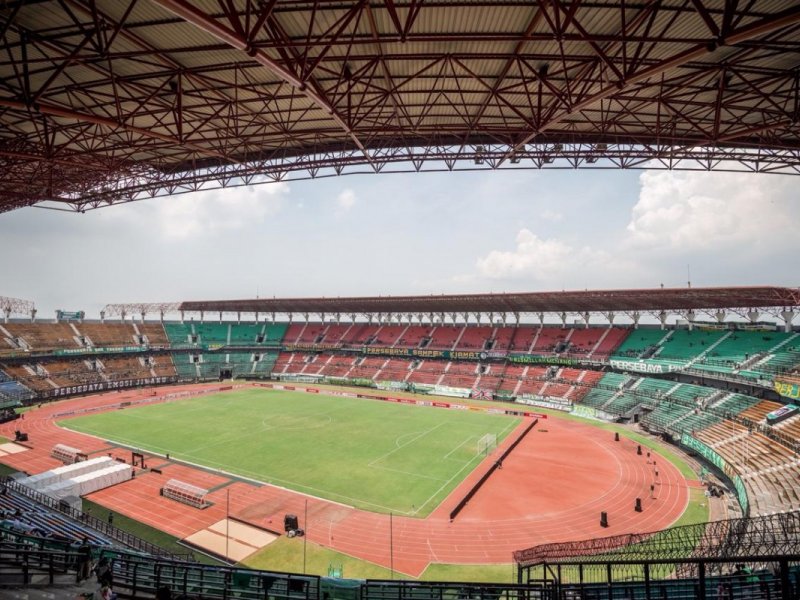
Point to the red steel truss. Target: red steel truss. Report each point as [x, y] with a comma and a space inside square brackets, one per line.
[107, 101]
[597, 301]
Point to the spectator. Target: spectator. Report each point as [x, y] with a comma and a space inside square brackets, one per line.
[84, 560]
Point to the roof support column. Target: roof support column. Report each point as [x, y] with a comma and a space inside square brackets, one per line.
[690, 317]
[720, 315]
[143, 314]
[122, 315]
[662, 316]
[788, 316]
[33, 315]
[586, 317]
[7, 314]
[610, 315]
[563, 320]
[753, 315]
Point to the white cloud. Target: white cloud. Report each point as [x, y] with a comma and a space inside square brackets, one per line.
[540, 259]
[217, 211]
[699, 211]
[346, 200]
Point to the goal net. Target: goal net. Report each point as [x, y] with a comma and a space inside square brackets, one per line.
[487, 443]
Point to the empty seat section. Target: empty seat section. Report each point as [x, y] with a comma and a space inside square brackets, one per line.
[684, 344]
[245, 333]
[549, 338]
[212, 333]
[413, 336]
[395, 370]
[312, 333]
[184, 366]
[275, 333]
[109, 334]
[339, 365]
[444, 336]
[265, 364]
[759, 411]
[125, 368]
[43, 336]
[293, 331]
[613, 338]
[504, 337]
[475, 338]
[460, 374]
[154, 333]
[37, 383]
[428, 372]
[178, 333]
[334, 333]
[639, 341]
[359, 333]
[163, 365]
[210, 365]
[71, 372]
[523, 338]
[583, 341]
[367, 369]
[387, 335]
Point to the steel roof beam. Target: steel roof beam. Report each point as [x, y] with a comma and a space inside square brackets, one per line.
[213, 27]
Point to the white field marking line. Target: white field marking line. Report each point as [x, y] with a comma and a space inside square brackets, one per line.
[411, 441]
[459, 446]
[468, 463]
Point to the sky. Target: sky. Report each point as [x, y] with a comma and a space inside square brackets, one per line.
[421, 233]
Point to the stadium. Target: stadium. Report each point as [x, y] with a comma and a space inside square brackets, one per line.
[630, 443]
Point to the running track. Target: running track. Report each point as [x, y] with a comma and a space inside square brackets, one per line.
[550, 489]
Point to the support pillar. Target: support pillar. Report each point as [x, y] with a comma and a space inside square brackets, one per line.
[586, 319]
[33, 315]
[7, 313]
[662, 316]
[610, 316]
[720, 315]
[162, 315]
[563, 320]
[690, 316]
[143, 314]
[788, 316]
[102, 317]
[122, 315]
[753, 315]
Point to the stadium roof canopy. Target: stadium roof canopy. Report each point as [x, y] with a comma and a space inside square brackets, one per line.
[106, 101]
[670, 299]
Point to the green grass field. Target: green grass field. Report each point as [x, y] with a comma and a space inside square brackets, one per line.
[374, 455]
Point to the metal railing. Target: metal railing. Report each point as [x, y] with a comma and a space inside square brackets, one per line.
[123, 537]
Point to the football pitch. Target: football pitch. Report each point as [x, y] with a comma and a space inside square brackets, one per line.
[374, 455]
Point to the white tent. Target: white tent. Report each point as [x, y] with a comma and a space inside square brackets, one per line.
[90, 482]
[54, 476]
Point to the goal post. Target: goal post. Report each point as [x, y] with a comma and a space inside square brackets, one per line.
[487, 443]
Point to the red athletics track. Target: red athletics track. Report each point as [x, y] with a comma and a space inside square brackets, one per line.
[551, 488]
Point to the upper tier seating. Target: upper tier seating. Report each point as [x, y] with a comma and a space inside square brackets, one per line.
[475, 337]
[109, 334]
[614, 336]
[211, 333]
[125, 368]
[387, 335]
[413, 336]
[43, 336]
[549, 338]
[639, 341]
[154, 333]
[178, 333]
[443, 337]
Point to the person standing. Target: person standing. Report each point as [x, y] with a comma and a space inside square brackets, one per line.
[84, 560]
